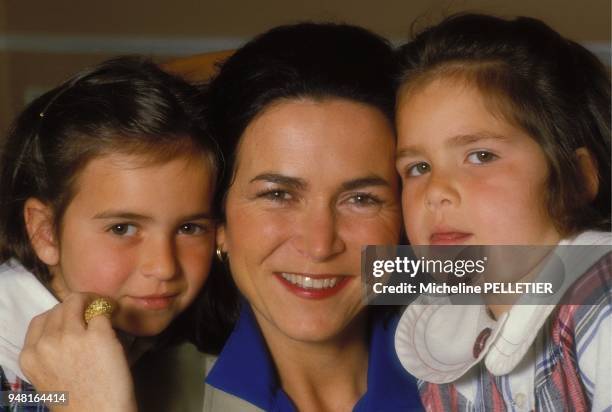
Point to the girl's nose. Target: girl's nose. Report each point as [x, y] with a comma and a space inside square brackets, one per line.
[158, 259]
[440, 193]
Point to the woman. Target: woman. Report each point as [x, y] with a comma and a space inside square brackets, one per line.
[304, 114]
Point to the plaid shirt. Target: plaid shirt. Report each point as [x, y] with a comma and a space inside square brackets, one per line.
[563, 372]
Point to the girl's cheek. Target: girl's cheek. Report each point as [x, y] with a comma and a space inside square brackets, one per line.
[194, 258]
[412, 203]
[103, 270]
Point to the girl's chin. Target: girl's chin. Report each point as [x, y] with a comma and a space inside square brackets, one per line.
[141, 329]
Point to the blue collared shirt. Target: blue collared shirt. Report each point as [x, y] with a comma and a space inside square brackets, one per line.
[245, 356]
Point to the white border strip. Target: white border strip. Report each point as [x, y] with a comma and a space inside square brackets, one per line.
[161, 46]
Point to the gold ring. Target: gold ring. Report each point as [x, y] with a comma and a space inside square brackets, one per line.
[99, 306]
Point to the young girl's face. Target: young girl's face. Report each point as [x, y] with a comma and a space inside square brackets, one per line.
[469, 177]
[139, 233]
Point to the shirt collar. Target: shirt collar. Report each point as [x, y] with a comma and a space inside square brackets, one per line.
[431, 323]
[22, 297]
[245, 356]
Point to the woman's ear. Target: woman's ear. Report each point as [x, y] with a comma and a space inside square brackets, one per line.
[40, 227]
[588, 168]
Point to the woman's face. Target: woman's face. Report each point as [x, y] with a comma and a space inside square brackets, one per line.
[314, 183]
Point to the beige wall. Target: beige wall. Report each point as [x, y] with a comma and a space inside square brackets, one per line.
[5, 112]
[582, 20]
[27, 69]
[3, 21]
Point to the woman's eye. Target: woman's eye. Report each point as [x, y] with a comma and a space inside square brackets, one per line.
[276, 195]
[418, 169]
[192, 229]
[123, 229]
[481, 156]
[364, 199]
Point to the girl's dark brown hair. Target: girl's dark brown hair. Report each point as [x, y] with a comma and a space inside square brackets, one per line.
[126, 105]
[550, 87]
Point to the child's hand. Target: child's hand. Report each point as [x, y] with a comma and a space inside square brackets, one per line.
[62, 353]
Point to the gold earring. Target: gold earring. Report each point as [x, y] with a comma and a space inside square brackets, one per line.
[221, 256]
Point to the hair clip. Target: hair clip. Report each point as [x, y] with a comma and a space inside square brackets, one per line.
[63, 89]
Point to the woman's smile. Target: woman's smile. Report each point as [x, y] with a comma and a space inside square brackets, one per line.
[304, 201]
[313, 286]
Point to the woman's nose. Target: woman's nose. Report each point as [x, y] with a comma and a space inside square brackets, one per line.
[317, 236]
[158, 258]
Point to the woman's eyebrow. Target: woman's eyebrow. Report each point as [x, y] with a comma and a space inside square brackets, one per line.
[281, 179]
[358, 183]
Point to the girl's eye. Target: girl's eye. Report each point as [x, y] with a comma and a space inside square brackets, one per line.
[123, 229]
[481, 156]
[192, 229]
[276, 195]
[418, 169]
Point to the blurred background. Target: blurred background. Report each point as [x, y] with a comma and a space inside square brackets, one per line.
[44, 42]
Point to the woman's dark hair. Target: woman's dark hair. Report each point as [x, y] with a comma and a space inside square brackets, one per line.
[306, 60]
[127, 105]
[550, 87]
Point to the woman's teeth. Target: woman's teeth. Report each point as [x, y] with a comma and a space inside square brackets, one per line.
[307, 282]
